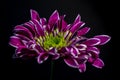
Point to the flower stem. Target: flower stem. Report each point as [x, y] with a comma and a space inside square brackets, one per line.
[51, 71]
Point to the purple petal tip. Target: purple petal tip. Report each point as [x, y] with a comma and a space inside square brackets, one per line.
[98, 63]
[34, 15]
[103, 39]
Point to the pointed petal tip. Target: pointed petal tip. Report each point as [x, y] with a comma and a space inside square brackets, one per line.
[70, 62]
[77, 19]
[83, 31]
[78, 16]
[98, 63]
[103, 38]
[82, 67]
[76, 26]
[15, 42]
[53, 19]
[34, 14]
[55, 12]
[32, 11]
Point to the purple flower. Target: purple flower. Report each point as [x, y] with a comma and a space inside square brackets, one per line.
[40, 39]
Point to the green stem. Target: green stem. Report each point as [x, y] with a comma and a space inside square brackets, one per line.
[51, 71]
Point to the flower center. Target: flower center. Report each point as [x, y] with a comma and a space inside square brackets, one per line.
[52, 41]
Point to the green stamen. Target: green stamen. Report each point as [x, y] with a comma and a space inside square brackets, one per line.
[50, 40]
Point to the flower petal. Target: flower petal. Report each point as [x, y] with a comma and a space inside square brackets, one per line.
[62, 24]
[75, 52]
[91, 59]
[78, 40]
[103, 38]
[30, 27]
[22, 37]
[98, 63]
[93, 49]
[83, 31]
[38, 49]
[43, 21]
[81, 47]
[15, 42]
[34, 15]
[78, 18]
[53, 18]
[76, 26]
[26, 53]
[19, 50]
[38, 28]
[70, 62]
[67, 27]
[54, 53]
[42, 57]
[56, 56]
[82, 67]
[92, 42]
[20, 29]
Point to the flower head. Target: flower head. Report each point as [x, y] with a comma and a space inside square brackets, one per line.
[40, 39]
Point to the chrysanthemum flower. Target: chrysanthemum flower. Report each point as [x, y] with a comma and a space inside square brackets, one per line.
[40, 39]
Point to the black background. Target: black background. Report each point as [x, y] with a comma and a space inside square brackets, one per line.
[97, 14]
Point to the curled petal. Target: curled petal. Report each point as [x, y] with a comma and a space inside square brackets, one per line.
[54, 53]
[98, 63]
[83, 31]
[92, 42]
[43, 21]
[42, 57]
[103, 39]
[34, 15]
[81, 47]
[71, 62]
[25, 53]
[56, 56]
[82, 67]
[94, 50]
[19, 50]
[15, 42]
[75, 52]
